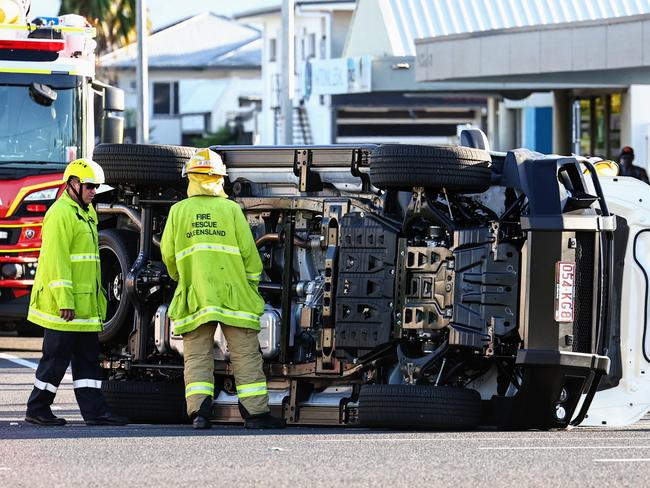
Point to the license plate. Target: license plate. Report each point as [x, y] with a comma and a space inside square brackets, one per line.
[565, 274]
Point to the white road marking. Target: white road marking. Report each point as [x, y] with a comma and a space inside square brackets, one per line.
[622, 460]
[543, 448]
[477, 439]
[22, 362]
[27, 364]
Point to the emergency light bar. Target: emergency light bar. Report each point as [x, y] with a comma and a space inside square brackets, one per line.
[48, 39]
[51, 45]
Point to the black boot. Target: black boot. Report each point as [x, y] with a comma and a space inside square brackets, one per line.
[50, 420]
[201, 422]
[201, 419]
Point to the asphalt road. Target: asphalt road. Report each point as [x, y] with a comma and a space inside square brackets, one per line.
[157, 456]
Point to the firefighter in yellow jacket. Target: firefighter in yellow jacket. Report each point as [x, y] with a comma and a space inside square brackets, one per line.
[68, 301]
[209, 249]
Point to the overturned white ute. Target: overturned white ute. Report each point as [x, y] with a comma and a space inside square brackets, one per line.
[405, 286]
[623, 396]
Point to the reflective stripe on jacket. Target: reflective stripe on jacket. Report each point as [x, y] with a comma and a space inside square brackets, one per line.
[68, 274]
[209, 249]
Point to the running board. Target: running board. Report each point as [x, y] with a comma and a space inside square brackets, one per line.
[331, 407]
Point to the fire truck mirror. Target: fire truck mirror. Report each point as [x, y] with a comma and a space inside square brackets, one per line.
[42, 94]
[113, 99]
[112, 129]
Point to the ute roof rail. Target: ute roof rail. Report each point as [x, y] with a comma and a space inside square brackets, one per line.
[306, 161]
[325, 156]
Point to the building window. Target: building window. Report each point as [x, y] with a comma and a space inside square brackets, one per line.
[599, 124]
[273, 50]
[165, 98]
[311, 46]
[323, 47]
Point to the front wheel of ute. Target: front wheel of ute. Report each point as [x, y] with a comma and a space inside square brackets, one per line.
[142, 164]
[144, 402]
[416, 406]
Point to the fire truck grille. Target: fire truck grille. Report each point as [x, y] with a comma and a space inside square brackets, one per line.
[9, 236]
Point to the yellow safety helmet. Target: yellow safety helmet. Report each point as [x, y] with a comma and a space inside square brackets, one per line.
[605, 167]
[10, 12]
[87, 170]
[205, 162]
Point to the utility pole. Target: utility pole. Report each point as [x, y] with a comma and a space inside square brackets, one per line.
[142, 73]
[287, 67]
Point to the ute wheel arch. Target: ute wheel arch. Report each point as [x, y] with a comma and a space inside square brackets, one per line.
[455, 168]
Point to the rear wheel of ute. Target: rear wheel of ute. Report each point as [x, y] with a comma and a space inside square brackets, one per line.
[416, 406]
[455, 168]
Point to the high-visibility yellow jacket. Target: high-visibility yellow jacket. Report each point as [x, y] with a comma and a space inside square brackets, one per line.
[68, 274]
[208, 247]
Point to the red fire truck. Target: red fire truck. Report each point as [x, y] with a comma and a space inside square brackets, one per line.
[49, 100]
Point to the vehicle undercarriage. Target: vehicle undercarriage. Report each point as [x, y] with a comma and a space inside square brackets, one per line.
[405, 286]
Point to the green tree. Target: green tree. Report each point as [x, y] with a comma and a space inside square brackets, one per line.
[223, 137]
[114, 20]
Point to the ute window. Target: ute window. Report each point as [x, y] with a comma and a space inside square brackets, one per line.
[39, 123]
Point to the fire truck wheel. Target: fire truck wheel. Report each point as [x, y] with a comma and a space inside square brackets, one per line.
[455, 168]
[140, 164]
[27, 329]
[145, 402]
[418, 406]
[117, 252]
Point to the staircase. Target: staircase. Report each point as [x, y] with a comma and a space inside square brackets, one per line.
[301, 128]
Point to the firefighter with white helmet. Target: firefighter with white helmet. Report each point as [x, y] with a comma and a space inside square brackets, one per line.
[208, 247]
[68, 301]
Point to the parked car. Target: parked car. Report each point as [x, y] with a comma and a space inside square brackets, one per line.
[405, 286]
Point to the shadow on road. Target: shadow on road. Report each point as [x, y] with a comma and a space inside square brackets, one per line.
[77, 429]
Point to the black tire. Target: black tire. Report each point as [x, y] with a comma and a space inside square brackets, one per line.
[27, 329]
[455, 168]
[140, 164]
[117, 252]
[145, 402]
[430, 407]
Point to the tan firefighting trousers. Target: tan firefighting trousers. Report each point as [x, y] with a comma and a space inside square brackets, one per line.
[246, 360]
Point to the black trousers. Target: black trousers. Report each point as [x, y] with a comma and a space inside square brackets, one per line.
[60, 349]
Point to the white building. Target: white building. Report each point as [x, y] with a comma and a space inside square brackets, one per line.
[320, 31]
[585, 62]
[549, 75]
[350, 83]
[204, 73]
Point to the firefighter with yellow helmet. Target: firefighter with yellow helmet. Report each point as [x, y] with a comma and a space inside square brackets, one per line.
[68, 301]
[208, 247]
